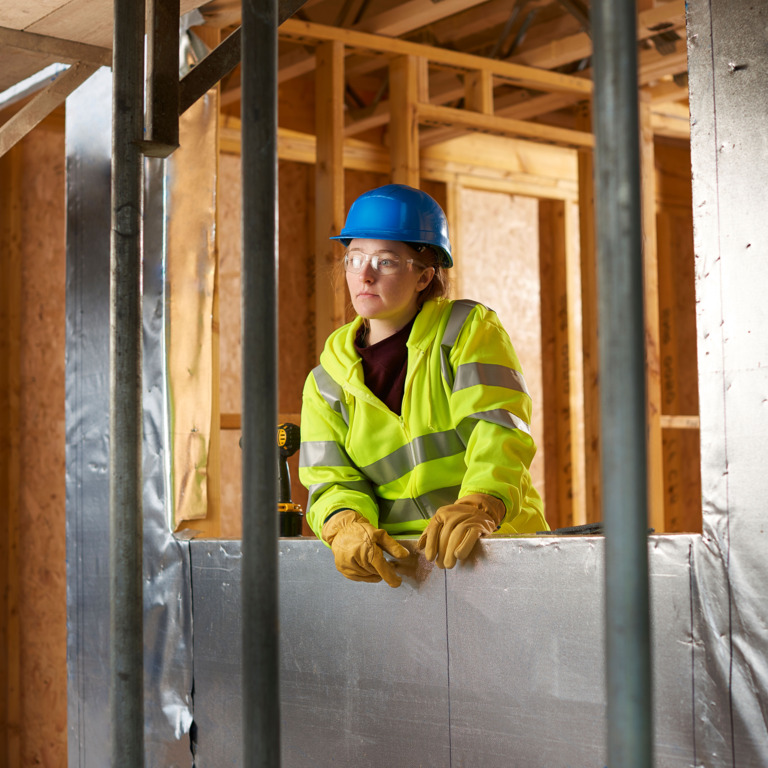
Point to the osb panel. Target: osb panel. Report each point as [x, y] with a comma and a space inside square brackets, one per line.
[42, 524]
[500, 268]
[295, 286]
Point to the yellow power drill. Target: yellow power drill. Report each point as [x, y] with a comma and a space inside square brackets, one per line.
[291, 515]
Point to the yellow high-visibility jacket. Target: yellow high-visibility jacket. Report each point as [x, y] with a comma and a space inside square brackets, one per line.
[464, 426]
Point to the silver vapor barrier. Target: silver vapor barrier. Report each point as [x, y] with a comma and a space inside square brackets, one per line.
[499, 662]
[166, 577]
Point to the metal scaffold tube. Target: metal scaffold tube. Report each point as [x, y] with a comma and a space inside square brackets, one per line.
[125, 424]
[261, 705]
[622, 383]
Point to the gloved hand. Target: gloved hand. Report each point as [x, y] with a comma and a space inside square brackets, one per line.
[357, 548]
[455, 528]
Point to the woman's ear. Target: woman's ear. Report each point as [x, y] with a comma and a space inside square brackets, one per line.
[425, 278]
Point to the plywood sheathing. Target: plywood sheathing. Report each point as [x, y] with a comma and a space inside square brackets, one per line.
[296, 352]
[500, 268]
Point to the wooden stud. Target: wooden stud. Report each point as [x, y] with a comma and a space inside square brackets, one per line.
[330, 293]
[651, 306]
[478, 92]
[453, 189]
[672, 444]
[562, 407]
[162, 96]
[403, 120]
[590, 349]
[10, 466]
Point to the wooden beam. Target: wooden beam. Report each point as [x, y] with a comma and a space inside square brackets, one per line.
[503, 126]
[411, 15]
[517, 168]
[208, 72]
[162, 91]
[330, 294]
[65, 51]
[651, 312]
[667, 91]
[566, 50]
[564, 455]
[403, 123]
[524, 77]
[589, 338]
[43, 104]
[478, 92]
[10, 456]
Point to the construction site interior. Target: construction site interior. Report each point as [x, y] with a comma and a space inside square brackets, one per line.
[484, 104]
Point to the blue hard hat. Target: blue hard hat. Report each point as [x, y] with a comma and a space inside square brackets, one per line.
[402, 213]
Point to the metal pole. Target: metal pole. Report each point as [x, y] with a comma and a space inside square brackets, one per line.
[125, 414]
[622, 383]
[261, 704]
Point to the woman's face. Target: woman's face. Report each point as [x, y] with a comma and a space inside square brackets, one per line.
[392, 298]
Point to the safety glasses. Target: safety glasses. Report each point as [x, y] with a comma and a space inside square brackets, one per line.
[385, 263]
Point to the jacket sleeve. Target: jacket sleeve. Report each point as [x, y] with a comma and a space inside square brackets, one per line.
[325, 468]
[491, 410]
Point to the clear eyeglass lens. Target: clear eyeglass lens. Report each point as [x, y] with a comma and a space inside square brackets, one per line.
[384, 264]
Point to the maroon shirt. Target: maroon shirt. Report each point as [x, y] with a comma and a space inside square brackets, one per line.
[385, 365]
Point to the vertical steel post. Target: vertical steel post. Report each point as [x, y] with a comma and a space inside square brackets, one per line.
[125, 413]
[622, 383]
[261, 704]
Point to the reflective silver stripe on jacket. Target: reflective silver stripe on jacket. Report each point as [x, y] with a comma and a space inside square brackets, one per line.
[459, 313]
[497, 416]
[363, 486]
[323, 453]
[331, 392]
[425, 506]
[435, 445]
[489, 375]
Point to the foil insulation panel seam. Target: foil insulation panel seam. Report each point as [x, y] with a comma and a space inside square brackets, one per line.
[496, 663]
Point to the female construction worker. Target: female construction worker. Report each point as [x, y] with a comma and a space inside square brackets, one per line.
[417, 419]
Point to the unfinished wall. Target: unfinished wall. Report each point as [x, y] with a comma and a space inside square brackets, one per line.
[295, 320]
[32, 510]
[499, 266]
[678, 344]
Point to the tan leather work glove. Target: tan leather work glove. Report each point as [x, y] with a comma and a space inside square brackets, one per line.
[455, 528]
[358, 548]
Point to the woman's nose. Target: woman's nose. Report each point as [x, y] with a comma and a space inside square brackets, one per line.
[367, 274]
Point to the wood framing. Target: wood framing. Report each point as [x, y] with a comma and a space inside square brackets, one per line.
[162, 91]
[503, 126]
[579, 46]
[651, 315]
[404, 97]
[43, 104]
[64, 50]
[10, 456]
[329, 187]
[516, 74]
[478, 92]
[590, 347]
[563, 409]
